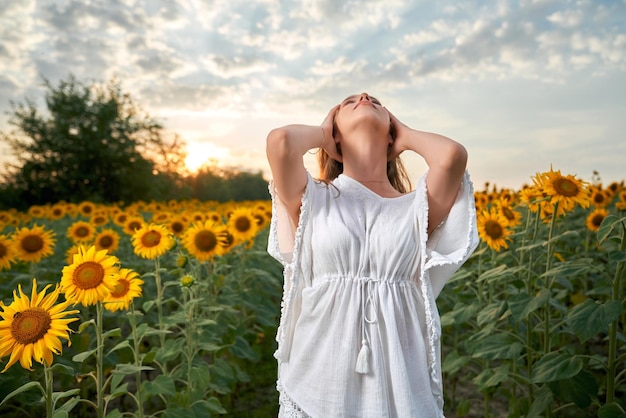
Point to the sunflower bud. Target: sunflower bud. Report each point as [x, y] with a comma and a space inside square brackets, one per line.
[187, 280]
[181, 261]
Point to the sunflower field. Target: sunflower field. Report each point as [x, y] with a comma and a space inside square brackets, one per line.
[170, 308]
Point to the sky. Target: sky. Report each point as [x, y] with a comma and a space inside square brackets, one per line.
[523, 85]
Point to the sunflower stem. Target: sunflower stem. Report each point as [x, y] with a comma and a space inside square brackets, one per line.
[159, 287]
[610, 373]
[99, 362]
[136, 342]
[49, 378]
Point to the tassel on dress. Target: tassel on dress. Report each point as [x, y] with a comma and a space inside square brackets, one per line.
[362, 361]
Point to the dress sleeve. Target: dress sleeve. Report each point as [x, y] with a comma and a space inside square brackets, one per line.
[284, 243]
[454, 240]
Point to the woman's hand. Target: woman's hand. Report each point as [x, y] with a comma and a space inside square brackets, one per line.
[328, 143]
[402, 134]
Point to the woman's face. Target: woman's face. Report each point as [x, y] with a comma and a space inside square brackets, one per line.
[361, 108]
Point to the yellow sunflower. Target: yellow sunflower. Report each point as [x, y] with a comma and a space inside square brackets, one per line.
[205, 239]
[91, 277]
[33, 244]
[595, 218]
[152, 241]
[242, 224]
[512, 216]
[57, 211]
[177, 225]
[566, 190]
[492, 228]
[31, 329]
[120, 218]
[132, 224]
[81, 232]
[7, 252]
[99, 218]
[37, 211]
[127, 288]
[86, 208]
[69, 254]
[107, 239]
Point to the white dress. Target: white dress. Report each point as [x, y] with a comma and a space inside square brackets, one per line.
[359, 330]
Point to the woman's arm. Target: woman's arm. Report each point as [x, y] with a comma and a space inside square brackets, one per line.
[285, 148]
[446, 161]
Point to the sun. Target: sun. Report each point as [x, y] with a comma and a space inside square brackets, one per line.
[201, 153]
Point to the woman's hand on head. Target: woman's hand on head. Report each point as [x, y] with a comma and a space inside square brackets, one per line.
[401, 133]
[328, 143]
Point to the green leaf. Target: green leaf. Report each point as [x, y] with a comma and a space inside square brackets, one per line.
[491, 313]
[60, 414]
[522, 305]
[116, 332]
[115, 414]
[611, 410]
[60, 395]
[126, 369]
[590, 318]
[25, 387]
[80, 357]
[556, 366]
[495, 346]
[606, 227]
[242, 349]
[453, 362]
[119, 346]
[85, 324]
[62, 368]
[161, 385]
[213, 405]
[579, 389]
[543, 399]
[491, 377]
[70, 404]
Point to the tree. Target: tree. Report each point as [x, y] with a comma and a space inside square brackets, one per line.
[94, 145]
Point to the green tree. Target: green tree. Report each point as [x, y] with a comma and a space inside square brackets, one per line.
[94, 144]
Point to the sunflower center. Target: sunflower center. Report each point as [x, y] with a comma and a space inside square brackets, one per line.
[3, 250]
[106, 241]
[494, 229]
[177, 227]
[32, 243]
[30, 326]
[121, 288]
[597, 220]
[88, 275]
[565, 187]
[205, 241]
[230, 239]
[134, 225]
[508, 213]
[151, 239]
[243, 224]
[82, 231]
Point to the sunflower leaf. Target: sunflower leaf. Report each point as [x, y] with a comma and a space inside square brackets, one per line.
[80, 357]
[116, 332]
[85, 324]
[123, 344]
[23, 388]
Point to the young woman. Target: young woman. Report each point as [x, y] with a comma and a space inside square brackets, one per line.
[364, 260]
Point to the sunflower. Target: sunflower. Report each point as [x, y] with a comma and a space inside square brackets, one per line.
[7, 252]
[86, 208]
[132, 224]
[566, 190]
[33, 244]
[81, 232]
[152, 241]
[205, 239]
[91, 277]
[177, 225]
[31, 329]
[57, 211]
[120, 219]
[69, 254]
[107, 239]
[512, 216]
[492, 228]
[161, 218]
[595, 218]
[99, 218]
[37, 211]
[127, 288]
[242, 224]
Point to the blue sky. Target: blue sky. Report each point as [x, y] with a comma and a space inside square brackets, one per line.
[522, 84]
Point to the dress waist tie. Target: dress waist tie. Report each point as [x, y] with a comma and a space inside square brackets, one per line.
[367, 301]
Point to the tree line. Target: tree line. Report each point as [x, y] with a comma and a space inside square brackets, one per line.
[94, 143]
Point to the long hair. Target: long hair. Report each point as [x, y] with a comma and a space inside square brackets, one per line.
[329, 169]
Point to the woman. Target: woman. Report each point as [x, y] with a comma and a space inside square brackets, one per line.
[364, 261]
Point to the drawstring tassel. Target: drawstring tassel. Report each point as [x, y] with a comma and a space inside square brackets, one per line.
[362, 361]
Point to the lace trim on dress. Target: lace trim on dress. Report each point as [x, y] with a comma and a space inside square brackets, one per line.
[288, 408]
[433, 326]
[290, 272]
